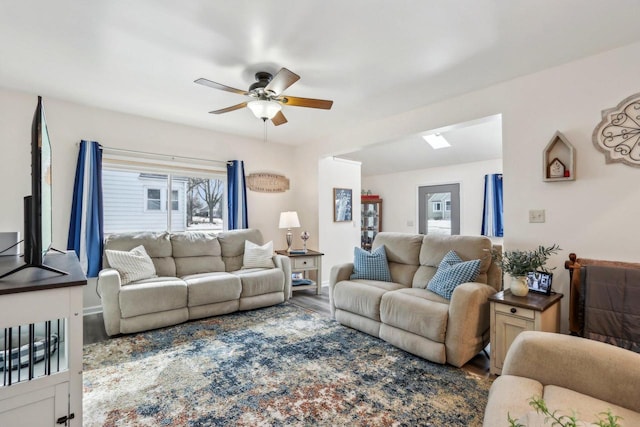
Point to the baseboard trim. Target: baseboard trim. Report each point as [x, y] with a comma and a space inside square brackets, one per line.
[96, 309]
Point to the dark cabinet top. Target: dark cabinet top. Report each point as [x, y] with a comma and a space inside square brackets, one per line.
[37, 279]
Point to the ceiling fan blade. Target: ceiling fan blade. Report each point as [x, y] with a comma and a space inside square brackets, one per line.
[306, 102]
[281, 81]
[279, 119]
[220, 86]
[232, 108]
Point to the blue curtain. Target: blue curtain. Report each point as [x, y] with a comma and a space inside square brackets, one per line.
[236, 195]
[86, 227]
[493, 213]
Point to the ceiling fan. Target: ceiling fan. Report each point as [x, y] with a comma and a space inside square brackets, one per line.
[268, 98]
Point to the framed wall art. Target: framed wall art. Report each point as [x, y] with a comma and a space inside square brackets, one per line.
[342, 204]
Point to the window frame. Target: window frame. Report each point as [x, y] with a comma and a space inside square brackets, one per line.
[177, 200]
[139, 163]
[148, 188]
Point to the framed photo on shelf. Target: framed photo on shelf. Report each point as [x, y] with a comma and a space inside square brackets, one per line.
[342, 204]
[539, 281]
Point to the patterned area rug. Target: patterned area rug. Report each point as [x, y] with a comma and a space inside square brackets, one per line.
[282, 365]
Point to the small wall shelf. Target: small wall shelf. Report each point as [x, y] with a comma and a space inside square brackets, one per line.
[558, 160]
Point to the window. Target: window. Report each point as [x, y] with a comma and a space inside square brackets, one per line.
[175, 200]
[431, 218]
[155, 199]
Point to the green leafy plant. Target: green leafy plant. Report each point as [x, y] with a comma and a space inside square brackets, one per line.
[519, 263]
[540, 406]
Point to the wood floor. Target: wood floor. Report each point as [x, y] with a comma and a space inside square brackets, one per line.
[94, 326]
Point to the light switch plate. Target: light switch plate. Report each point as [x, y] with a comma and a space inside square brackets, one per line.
[536, 215]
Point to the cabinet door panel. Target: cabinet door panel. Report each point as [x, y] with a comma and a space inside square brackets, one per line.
[38, 408]
[507, 329]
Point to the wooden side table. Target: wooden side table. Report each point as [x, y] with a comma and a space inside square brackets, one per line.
[310, 262]
[511, 315]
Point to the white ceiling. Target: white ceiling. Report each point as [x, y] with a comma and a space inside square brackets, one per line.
[374, 58]
[470, 142]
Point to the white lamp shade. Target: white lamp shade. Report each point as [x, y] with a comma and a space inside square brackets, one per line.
[263, 109]
[289, 220]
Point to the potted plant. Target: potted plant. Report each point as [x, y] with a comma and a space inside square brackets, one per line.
[518, 263]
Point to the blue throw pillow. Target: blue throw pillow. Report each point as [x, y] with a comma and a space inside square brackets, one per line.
[452, 272]
[371, 265]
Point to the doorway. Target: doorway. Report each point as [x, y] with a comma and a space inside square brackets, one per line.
[439, 209]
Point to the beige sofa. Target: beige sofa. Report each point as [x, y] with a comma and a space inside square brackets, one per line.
[407, 315]
[572, 374]
[199, 275]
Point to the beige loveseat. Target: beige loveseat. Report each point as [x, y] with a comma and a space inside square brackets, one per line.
[572, 374]
[404, 313]
[199, 275]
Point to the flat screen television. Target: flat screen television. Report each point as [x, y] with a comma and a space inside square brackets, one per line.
[38, 233]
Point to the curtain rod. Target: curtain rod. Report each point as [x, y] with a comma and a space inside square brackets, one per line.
[161, 156]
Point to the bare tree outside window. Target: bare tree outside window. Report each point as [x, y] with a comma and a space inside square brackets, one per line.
[210, 191]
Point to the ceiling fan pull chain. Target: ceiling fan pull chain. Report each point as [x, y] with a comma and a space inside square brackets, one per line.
[265, 130]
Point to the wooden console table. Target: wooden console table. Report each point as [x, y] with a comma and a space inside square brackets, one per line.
[34, 296]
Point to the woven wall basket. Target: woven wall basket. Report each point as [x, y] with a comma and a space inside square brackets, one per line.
[267, 182]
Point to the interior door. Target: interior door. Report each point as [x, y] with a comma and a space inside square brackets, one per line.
[439, 209]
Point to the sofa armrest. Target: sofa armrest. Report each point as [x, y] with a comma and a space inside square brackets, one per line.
[284, 263]
[469, 321]
[338, 273]
[599, 370]
[109, 286]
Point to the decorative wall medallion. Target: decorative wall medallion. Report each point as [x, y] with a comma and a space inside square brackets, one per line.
[618, 134]
[267, 182]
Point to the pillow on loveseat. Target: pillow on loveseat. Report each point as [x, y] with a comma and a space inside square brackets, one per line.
[131, 265]
[453, 271]
[256, 256]
[371, 265]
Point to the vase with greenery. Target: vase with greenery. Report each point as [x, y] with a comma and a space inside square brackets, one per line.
[518, 263]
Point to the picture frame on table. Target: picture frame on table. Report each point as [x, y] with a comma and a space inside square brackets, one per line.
[540, 281]
[342, 204]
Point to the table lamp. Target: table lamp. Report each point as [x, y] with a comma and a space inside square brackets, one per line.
[289, 220]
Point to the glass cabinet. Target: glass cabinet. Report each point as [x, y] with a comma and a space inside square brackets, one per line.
[370, 220]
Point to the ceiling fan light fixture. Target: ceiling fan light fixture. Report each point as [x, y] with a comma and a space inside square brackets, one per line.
[264, 109]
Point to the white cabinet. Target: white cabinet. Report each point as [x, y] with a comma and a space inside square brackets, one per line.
[511, 315]
[53, 395]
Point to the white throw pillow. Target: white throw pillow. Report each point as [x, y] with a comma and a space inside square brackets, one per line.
[132, 265]
[256, 256]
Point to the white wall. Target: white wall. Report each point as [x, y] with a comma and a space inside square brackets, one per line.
[337, 239]
[399, 192]
[69, 123]
[593, 216]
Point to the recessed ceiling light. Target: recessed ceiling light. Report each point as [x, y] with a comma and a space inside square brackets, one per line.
[436, 141]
